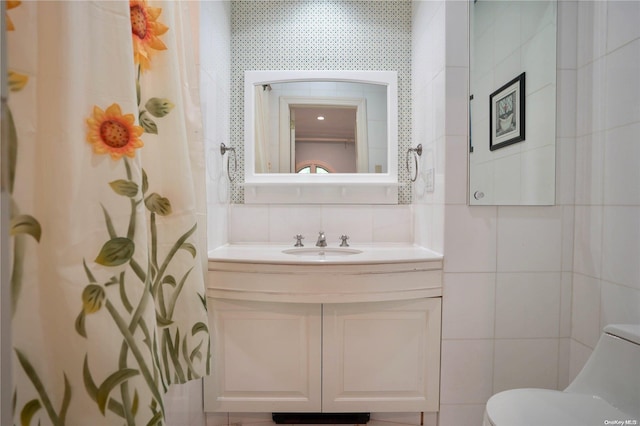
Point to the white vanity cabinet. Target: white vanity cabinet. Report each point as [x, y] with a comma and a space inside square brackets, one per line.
[266, 357]
[330, 337]
[346, 357]
[381, 356]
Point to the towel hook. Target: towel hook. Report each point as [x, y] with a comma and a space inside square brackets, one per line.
[223, 151]
[417, 151]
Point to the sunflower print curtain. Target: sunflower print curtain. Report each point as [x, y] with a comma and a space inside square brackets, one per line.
[106, 180]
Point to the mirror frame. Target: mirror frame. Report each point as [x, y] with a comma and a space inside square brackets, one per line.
[340, 188]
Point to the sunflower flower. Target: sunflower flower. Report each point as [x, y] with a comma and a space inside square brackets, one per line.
[145, 30]
[111, 132]
[10, 4]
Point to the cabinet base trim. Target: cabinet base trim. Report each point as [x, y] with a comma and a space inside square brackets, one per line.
[321, 418]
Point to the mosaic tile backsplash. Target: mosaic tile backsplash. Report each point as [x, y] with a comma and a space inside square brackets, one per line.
[322, 35]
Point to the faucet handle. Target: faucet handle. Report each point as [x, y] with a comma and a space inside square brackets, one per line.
[299, 239]
[344, 242]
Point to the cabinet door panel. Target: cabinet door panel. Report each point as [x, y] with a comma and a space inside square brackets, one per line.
[266, 357]
[382, 356]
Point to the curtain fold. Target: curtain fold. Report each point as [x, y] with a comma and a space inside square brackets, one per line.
[108, 248]
[262, 129]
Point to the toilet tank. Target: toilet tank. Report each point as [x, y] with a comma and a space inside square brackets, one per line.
[613, 370]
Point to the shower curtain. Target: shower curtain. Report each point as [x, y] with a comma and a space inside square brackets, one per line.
[262, 129]
[106, 175]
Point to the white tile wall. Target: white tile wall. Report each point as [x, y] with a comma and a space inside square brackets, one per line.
[467, 366]
[470, 239]
[606, 282]
[525, 363]
[461, 414]
[587, 254]
[529, 239]
[528, 304]
[279, 223]
[504, 265]
[585, 314]
[468, 310]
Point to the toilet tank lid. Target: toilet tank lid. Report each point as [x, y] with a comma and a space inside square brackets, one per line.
[630, 332]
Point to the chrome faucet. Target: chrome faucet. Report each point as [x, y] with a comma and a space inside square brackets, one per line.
[322, 240]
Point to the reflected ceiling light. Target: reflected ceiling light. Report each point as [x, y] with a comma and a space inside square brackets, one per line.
[320, 117]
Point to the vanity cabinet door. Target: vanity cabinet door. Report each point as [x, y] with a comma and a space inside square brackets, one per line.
[266, 357]
[382, 356]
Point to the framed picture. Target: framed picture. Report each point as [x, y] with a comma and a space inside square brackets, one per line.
[506, 114]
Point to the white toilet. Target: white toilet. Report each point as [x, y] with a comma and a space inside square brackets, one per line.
[605, 392]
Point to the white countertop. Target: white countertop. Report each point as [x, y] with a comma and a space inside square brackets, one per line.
[272, 253]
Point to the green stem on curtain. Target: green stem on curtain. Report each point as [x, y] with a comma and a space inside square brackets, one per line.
[174, 350]
[142, 305]
[133, 346]
[161, 304]
[132, 222]
[176, 294]
[154, 240]
[17, 270]
[132, 219]
[138, 270]
[173, 252]
[37, 384]
[124, 388]
[138, 97]
[191, 371]
[123, 294]
[165, 360]
[151, 343]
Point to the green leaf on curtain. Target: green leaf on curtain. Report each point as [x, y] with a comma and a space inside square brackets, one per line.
[26, 224]
[145, 182]
[124, 187]
[203, 300]
[190, 248]
[170, 279]
[163, 322]
[90, 276]
[29, 409]
[12, 148]
[92, 390]
[156, 419]
[110, 383]
[92, 297]
[147, 123]
[31, 373]
[195, 353]
[135, 404]
[66, 400]
[17, 81]
[115, 252]
[107, 219]
[198, 327]
[89, 384]
[159, 107]
[158, 204]
[80, 324]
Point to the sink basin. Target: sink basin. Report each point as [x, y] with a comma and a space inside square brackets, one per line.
[321, 251]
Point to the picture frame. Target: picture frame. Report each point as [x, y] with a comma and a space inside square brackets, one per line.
[507, 114]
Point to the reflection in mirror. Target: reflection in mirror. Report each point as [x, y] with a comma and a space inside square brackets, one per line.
[512, 105]
[321, 137]
[342, 125]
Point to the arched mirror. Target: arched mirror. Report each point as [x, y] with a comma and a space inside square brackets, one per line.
[321, 136]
